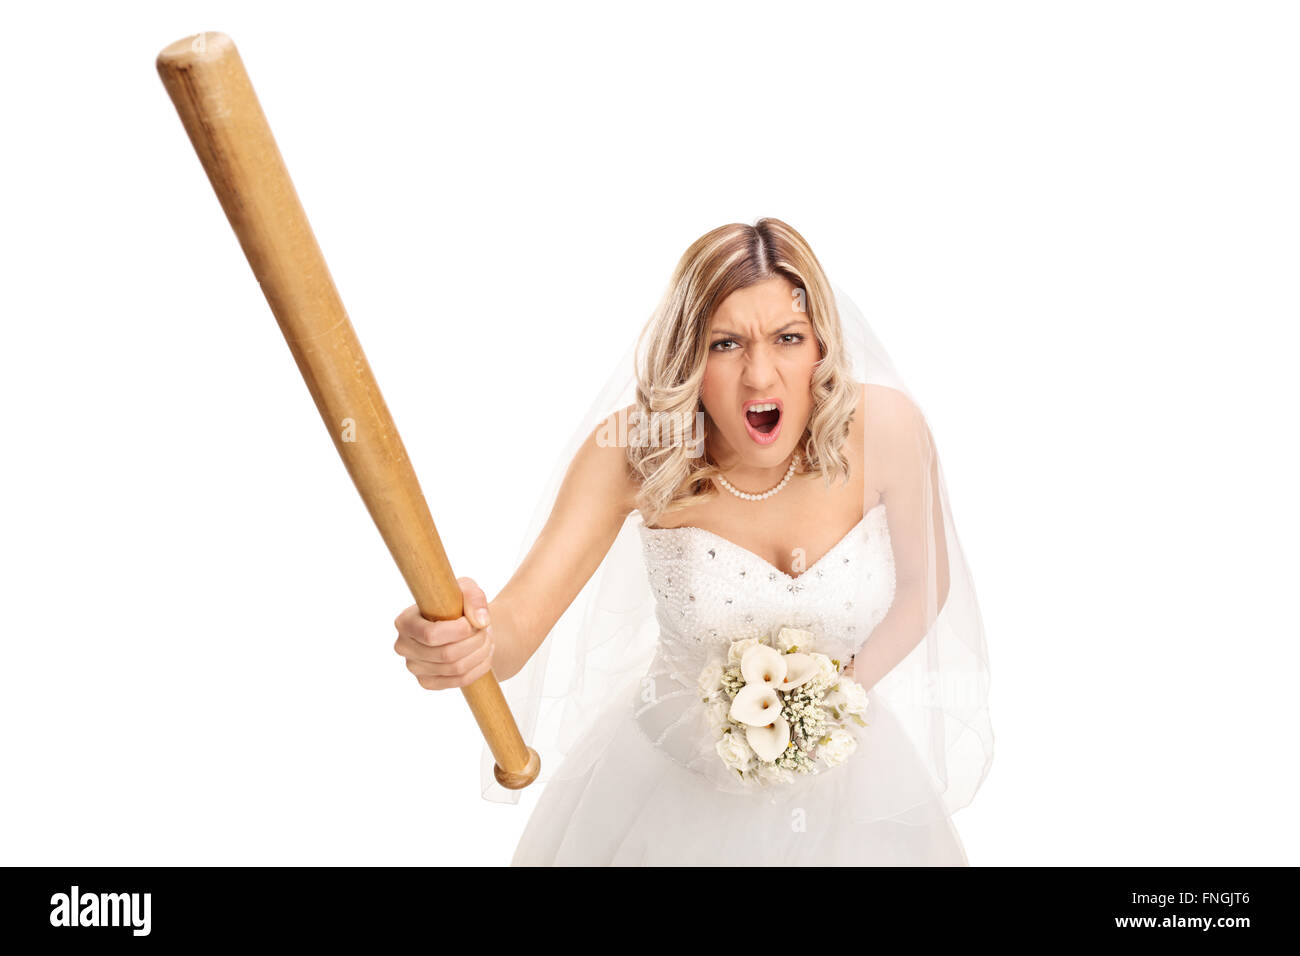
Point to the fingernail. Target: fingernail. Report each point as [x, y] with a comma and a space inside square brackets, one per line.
[483, 617]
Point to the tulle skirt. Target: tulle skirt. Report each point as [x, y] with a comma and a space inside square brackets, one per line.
[634, 805]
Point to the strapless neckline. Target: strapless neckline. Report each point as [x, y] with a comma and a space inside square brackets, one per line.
[714, 536]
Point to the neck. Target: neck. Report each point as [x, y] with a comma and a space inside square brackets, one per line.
[747, 477]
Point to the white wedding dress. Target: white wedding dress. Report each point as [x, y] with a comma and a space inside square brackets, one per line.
[655, 792]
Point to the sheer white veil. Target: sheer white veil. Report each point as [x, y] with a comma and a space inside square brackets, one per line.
[934, 703]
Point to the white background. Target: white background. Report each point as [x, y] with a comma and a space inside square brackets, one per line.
[1074, 226]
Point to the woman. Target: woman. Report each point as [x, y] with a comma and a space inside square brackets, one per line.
[777, 657]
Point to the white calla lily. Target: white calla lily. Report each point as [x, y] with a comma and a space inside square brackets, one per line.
[756, 705]
[799, 669]
[763, 665]
[769, 741]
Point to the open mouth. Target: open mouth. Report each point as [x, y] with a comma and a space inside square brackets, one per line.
[763, 421]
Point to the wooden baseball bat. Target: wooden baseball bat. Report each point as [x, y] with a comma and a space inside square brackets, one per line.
[206, 80]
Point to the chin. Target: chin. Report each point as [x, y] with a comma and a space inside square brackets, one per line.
[763, 456]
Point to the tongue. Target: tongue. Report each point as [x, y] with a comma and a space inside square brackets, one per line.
[763, 421]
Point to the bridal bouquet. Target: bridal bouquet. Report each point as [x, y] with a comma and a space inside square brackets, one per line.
[777, 711]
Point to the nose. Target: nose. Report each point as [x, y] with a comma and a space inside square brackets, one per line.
[759, 369]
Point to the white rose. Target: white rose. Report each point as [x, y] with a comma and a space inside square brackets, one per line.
[738, 649]
[770, 773]
[837, 750]
[711, 681]
[826, 672]
[717, 710]
[853, 695]
[789, 637]
[735, 752]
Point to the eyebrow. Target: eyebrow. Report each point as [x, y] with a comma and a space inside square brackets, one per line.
[736, 335]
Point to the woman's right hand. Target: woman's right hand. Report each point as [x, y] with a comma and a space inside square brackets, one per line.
[443, 654]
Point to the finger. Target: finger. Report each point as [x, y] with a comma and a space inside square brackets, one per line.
[467, 674]
[455, 669]
[476, 673]
[476, 602]
[441, 653]
[433, 633]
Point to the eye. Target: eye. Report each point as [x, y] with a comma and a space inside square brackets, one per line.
[714, 346]
[796, 338]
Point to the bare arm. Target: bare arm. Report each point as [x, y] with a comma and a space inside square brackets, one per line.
[909, 477]
[594, 499]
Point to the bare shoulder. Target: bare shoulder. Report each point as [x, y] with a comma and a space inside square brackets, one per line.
[600, 470]
[884, 410]
[893, 426]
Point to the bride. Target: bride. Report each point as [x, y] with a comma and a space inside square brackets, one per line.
[744, 632]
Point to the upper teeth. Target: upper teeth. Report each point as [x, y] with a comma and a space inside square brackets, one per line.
[762, 407]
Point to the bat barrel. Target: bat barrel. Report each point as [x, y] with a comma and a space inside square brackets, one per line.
[206, 80]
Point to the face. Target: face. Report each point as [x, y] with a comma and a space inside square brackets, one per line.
[757, 381]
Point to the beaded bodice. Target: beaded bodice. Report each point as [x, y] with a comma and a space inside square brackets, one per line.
[709, 592]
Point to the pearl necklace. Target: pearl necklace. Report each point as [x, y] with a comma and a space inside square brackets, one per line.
[794, 462]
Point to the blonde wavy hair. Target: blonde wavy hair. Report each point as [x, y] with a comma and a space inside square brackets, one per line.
[672, 350]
